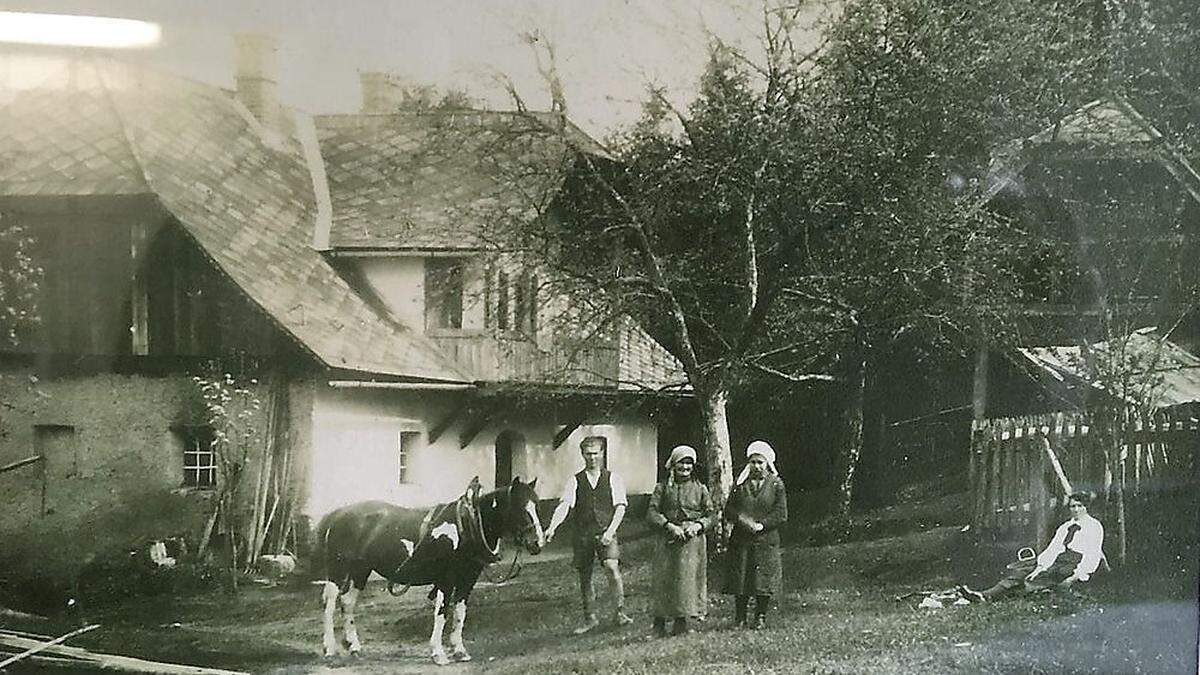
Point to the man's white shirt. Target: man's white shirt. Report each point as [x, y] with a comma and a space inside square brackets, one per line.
[615, 484]
[1088, 542]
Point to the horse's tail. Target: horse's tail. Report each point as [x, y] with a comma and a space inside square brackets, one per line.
[329, 591]
[321, 549]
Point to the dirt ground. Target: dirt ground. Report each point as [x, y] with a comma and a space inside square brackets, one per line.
[839, 616]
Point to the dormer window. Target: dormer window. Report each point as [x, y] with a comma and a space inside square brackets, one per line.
[444, 292]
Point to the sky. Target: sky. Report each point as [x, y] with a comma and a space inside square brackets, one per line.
[608, 50]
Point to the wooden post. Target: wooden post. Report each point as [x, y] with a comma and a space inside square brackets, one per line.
[978, 401]
[45, 482]
[1044, 440]
[994, 492]
[1039, 497]
[45, 645]
[981, 442]
[1121, 531]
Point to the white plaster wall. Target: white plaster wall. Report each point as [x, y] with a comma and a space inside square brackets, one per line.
[355, 441]
[400, 282]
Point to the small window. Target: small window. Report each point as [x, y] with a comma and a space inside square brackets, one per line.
[502, 301]
[532, 281]
[406, 443]
[516, 303]
[444, 292]
[199, 457]
[489, 279]
[520, 303]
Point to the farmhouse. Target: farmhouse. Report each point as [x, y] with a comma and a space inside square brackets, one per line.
[326, 265]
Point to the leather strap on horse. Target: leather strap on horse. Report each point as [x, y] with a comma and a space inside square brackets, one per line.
[422, 532]
[469, 514]
[468, 519]
[514, 569]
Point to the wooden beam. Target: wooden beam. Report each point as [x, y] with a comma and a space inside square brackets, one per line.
[478, 421]
[20, 463]
[1065, 484]
[41, 646]
[96, 661]
[447, 421]
[561, 436]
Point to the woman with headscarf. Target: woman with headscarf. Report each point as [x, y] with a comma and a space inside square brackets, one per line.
[682, 508]
[756, 508]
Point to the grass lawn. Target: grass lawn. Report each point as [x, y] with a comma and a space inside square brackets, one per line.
[840, 615]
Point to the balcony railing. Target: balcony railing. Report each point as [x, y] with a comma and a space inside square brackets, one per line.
[518, 359]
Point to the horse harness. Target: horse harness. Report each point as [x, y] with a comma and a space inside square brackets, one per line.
[468, 522]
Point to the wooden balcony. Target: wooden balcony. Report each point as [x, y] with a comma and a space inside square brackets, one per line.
[518, 359]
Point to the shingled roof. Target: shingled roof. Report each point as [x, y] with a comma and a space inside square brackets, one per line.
[245, 196]
[1169, 373]
[59, 140]
[440, 179]
[1108, 124]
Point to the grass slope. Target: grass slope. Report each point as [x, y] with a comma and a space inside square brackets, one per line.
[839, 615]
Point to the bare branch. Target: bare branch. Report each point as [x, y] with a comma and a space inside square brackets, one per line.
[808, 377]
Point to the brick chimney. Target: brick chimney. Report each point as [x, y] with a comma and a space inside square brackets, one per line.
[381, 92]
[257, 77]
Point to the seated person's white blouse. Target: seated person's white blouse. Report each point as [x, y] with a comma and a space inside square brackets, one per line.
[1087, 542]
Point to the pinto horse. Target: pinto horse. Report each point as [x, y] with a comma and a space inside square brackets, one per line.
[445, 547]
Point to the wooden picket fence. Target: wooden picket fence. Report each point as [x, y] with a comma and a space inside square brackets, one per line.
[1016, 482]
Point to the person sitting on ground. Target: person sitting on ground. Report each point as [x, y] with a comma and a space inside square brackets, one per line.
[682, 507]
[1072, 555]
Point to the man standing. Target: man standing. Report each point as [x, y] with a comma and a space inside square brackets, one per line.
[596, 497]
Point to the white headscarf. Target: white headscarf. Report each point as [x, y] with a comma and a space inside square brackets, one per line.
[677, 454]
[762, 449]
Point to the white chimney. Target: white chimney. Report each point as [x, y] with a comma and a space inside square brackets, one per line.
[257, 78]
[381, 92]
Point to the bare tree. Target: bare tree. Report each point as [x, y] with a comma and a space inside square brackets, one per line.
[811, 209]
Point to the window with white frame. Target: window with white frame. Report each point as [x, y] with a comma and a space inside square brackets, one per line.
[406, 443]
[199, 457]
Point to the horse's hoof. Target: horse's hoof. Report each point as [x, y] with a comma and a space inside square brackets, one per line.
[462, 656]
[328, 653]
[441, 659]
[356, 651]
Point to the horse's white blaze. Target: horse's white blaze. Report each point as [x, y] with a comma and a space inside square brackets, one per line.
[456, 637]
[329, 596]
[408, 546]
[349, 602]
[447, 530]
[537, 524]
[439, 624]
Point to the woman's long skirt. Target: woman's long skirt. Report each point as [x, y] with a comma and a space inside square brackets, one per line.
[753, 568]
[680, 584]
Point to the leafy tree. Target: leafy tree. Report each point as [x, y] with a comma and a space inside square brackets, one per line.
[813, 210]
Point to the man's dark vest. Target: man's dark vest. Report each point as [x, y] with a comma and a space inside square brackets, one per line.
[593, 505]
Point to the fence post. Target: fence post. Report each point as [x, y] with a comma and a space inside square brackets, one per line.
[981, 444]
[1039, 497]
[994, 494]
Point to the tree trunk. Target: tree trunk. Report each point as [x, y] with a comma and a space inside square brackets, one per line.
[857, 384]
[716, 442]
